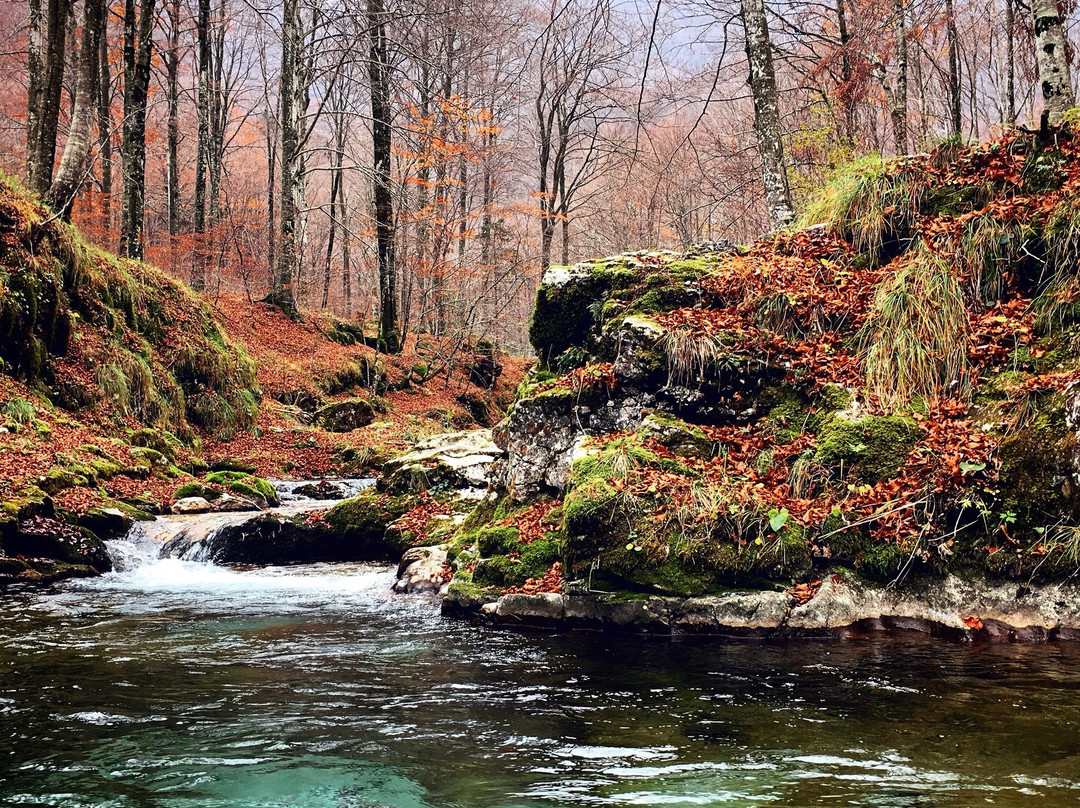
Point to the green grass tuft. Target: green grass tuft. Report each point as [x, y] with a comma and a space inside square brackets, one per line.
[870, 201]
[915, 341]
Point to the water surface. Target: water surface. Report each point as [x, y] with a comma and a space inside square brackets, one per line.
[182, 685]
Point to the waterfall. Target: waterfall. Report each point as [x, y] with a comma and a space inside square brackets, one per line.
[190, 537]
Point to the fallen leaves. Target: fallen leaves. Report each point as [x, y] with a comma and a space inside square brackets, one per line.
[804, 593]
[550, 582]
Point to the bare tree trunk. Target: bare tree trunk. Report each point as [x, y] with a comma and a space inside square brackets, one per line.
[36, 33]
[105, 125]
[172, 91]
[381, 121]
[271, 204]
[72, 170]
[335, 187]
[1009, 115]
[850, 132]
[46, 73]
[281, 293]
[486, 234]
[346, 255]
[137, 48]
[767, 114]
[1057, 89]
[955, 122]
[202, 149]
[899, 110]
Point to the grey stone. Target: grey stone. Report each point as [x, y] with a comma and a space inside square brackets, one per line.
[420, 570]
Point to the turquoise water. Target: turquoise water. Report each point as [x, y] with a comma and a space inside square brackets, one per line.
[182, 685]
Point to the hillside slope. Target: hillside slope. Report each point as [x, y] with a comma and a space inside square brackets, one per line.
[119, 386]
[887, 392]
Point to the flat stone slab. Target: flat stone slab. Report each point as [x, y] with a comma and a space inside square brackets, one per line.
[949, 607]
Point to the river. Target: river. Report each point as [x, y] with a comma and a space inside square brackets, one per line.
[178, 684]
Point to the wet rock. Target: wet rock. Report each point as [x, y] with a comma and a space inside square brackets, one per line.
[421, 570]
[226, 503]
[320, 490]
[108, 523]
[952, 608]
[44, 537]
[191, 505]
[538, 610]
[344, 416]
[457, 460]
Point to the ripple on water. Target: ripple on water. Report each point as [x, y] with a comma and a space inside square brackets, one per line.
[188, 686]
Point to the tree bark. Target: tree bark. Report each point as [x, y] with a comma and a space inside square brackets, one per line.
[1054, 78]
[381, 134]
[850, 133]
[335, 187]
[767, 114]
[271, 203]
[105, 124]
[281, 292]
[45, 68]
[899, 110]
[202, 148]
[956, 122]
[137, 51]
[1009, 116]
[72, 170]
[172, 91]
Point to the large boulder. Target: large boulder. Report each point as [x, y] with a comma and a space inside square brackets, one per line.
[454, 460]
[543, 434]
[344, 416]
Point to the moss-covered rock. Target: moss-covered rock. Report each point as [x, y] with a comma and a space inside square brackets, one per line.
[345, 416]
[868, 449]
[679, 437]
[245, 485]
[363, 520]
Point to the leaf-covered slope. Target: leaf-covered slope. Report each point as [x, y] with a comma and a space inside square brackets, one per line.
[887, 388]
[115, 336]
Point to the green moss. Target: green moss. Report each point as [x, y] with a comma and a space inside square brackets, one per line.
[493, 571]
[59, 479]
[562, 315]
[587, 507]
[1034, 470]
[788, 413]
[194, 489]
[492, 541]
[537, 558]
[677, 436]
[363, 520]
[869, 449]
[833, 398]
[245, 485]
[467, 595]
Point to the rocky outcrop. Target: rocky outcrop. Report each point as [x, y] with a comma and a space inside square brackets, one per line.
[457, 460]
[952, 607]
[543, 434]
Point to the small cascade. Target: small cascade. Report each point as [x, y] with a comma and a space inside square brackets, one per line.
[189, 537]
